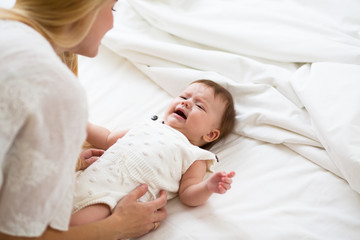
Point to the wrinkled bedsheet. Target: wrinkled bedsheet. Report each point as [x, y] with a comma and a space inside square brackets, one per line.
[293, 67]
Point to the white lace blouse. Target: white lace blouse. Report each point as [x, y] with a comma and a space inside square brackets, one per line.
[43, 115]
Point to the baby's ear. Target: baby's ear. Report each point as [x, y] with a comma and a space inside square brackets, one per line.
[212, 135]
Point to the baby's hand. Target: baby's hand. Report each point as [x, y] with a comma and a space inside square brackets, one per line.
[220, 182]
[88, 157]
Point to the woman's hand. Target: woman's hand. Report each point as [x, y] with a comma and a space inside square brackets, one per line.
[139, 218]
[88, 157]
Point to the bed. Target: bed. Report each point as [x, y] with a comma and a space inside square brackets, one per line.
[293, 67]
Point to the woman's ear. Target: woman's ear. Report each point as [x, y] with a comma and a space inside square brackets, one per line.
[212, 135]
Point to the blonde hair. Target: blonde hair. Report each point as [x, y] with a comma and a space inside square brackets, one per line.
[52, 18]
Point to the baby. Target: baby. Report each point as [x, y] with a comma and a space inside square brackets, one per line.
[168, 155]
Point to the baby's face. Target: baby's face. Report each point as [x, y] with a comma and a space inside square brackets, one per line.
[196, 113]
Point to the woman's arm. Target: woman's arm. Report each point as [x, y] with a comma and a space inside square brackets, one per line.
[130, 219]
[194, 191]
[101, 137]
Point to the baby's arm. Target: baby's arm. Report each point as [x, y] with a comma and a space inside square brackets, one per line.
[101, 137]
[194, 191]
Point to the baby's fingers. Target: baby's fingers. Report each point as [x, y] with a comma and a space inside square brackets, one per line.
[226, 186]
[226, 180]
[223, 187]
[231, 174]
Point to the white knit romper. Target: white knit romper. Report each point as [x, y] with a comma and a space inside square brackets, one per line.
[151, 153]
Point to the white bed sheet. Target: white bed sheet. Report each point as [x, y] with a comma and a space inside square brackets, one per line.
[293, 68]
[276, 194]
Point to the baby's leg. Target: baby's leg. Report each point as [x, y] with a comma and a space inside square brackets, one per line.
[90, 214]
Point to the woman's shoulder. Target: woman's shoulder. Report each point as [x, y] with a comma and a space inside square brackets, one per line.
[22, 47]
[26, 55]
[18, 35]
[30, 66]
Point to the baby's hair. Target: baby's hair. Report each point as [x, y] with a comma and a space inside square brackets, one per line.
[228, 119]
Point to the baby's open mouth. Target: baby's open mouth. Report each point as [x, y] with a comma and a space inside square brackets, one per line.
[180, 113]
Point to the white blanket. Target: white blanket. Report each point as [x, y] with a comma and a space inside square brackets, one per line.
[293, 67]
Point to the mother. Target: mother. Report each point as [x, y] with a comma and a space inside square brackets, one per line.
[43, 116]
